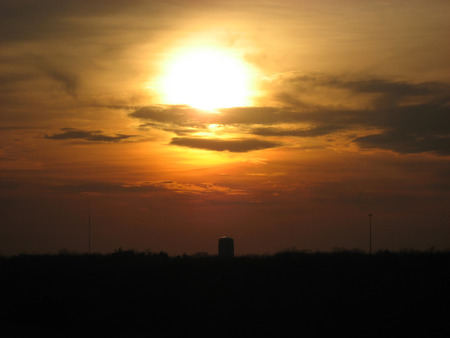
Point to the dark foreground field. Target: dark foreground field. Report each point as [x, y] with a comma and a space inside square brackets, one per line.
[129, 294]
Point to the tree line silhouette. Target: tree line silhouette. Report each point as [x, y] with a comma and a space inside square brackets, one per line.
[138, 294]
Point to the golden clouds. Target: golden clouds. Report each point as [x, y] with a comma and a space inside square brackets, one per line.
[324, 106]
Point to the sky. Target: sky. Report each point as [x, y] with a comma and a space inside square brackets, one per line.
[282, 124]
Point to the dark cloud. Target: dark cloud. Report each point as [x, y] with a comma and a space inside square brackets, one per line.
[423, 120]
[178, 130]
[404, 143]
[407, 126]
[187, 116]
[383, 86]
[234, 145]
[412, 129]
[396, 88]
[311, 132]
[391, 93]
[426, 125]
[94, 136]
[173, 114]
[255, 115]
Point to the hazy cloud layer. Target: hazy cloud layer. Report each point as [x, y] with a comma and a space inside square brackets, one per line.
[184, 188]
[93, 136]
[412, 117]
[27, 20]
[143, 187]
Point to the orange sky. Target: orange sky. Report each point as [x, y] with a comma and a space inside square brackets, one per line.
[346, 112]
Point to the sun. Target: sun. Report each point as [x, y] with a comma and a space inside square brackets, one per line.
[207, 78]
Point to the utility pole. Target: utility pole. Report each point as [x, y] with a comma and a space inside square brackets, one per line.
[89, 224]
[370, 234]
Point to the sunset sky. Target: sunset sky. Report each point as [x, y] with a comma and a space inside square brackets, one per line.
[279, 123]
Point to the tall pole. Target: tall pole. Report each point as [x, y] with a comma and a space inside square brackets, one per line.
[89, 222]
[370, 234]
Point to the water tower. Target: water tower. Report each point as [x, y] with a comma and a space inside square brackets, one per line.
[226, 247]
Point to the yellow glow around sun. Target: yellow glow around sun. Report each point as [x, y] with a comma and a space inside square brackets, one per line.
[207, 78]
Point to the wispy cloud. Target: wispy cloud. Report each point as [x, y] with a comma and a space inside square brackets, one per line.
[68, 80]
[184, 188]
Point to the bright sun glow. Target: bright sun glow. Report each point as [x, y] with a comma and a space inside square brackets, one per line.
[207, 78]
